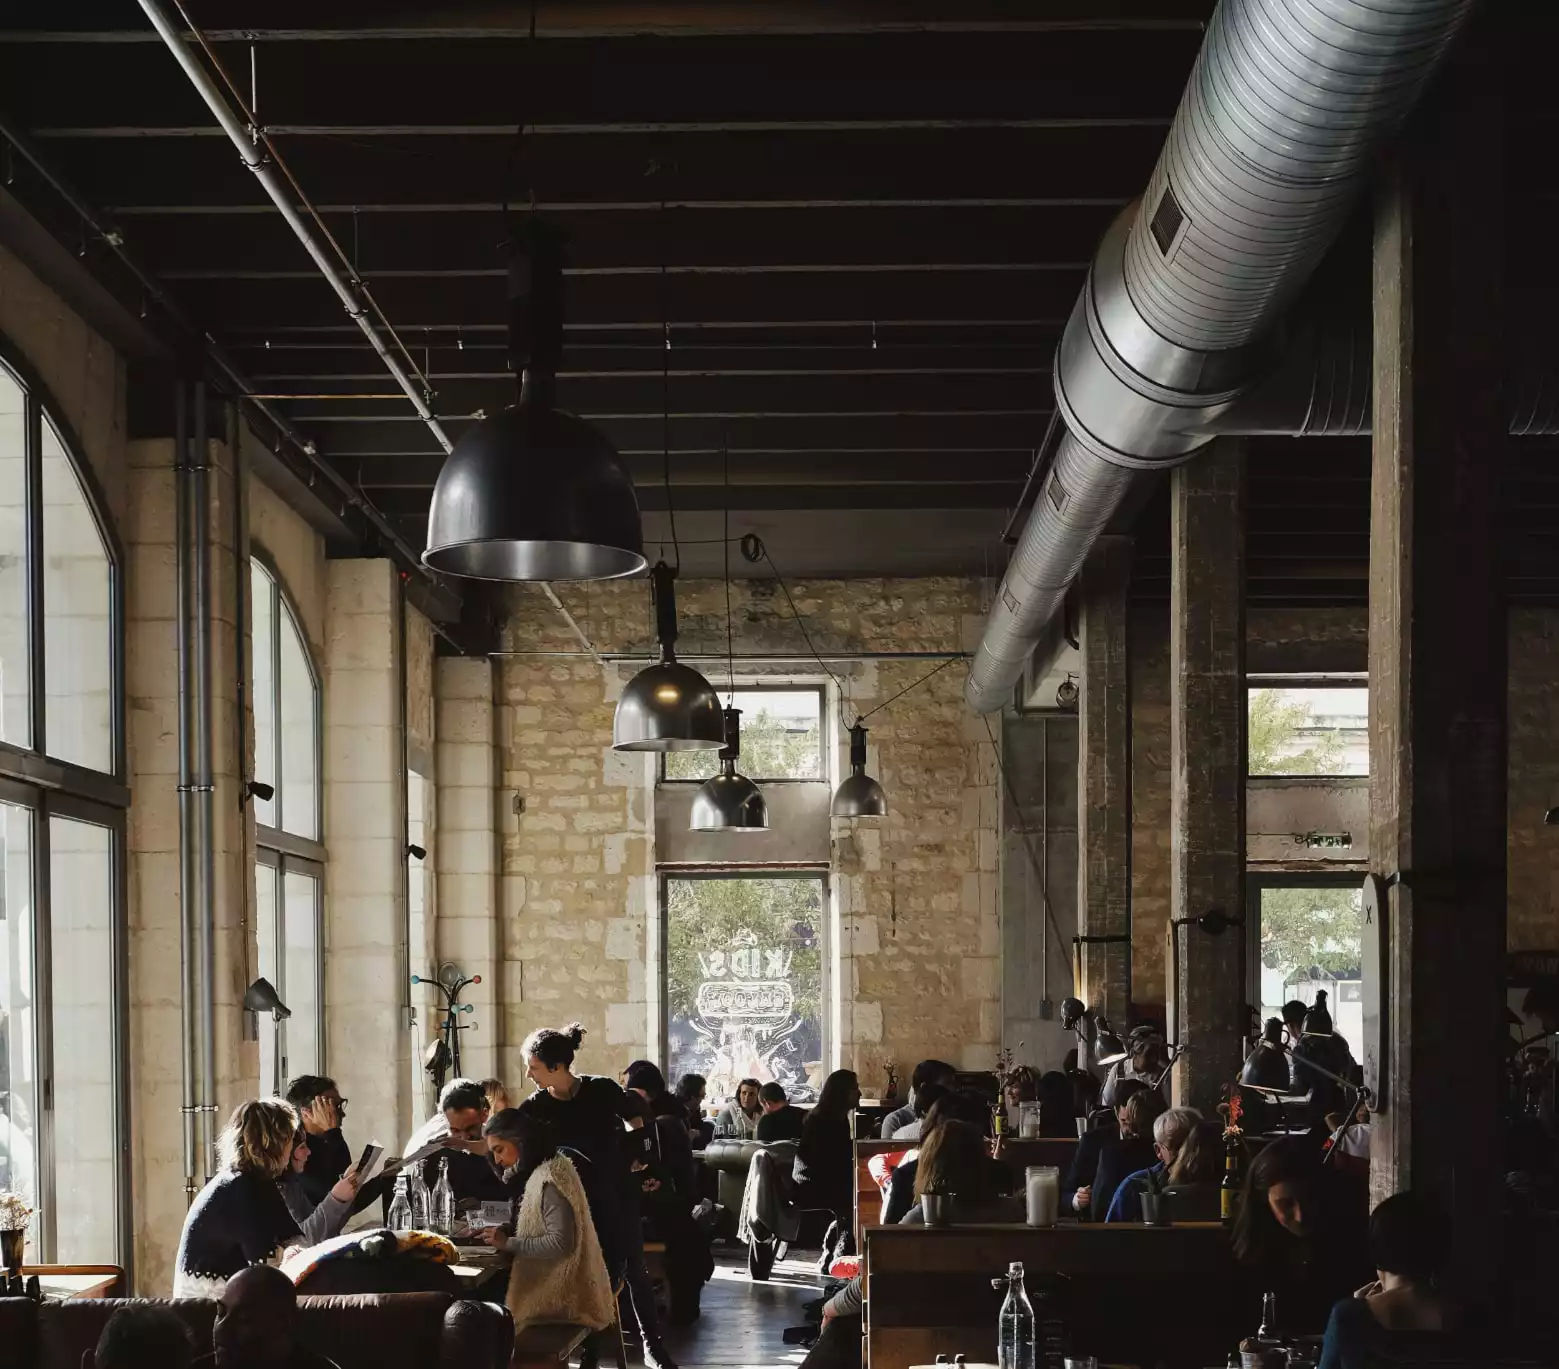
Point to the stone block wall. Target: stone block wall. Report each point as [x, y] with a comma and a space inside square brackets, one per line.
[1148, 648]
[915, 905]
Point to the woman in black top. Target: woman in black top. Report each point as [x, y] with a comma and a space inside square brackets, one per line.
[825, 1156]
[1301, 1233]
[240, 1217]
[591, 1114]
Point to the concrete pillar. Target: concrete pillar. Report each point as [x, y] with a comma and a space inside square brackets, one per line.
[467, 931]
[1207, 763]
[1438, 666]
[1104, 779]
[152, 723]
[365, 913]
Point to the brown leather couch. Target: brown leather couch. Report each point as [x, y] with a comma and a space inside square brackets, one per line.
[363, 1331]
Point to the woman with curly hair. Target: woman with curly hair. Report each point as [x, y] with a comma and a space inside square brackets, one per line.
[240, 1217]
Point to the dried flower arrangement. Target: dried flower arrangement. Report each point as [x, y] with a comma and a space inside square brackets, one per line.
[14, 1211]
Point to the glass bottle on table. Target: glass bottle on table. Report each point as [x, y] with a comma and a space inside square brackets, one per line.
[1229, 1189]
[1016, 1339]
[417, 1197]
[441, 1213]
[400, 1207]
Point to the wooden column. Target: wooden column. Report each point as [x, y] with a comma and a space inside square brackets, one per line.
[1104, 779]
[1437, 655]
[1207, 763]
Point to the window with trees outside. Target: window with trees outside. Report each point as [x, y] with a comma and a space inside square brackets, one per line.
[1312, 938]
[1308, 730]
[62, 828]
[745, 959]
[289, 874]
[782, 738]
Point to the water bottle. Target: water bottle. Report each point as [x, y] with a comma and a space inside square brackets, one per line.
[417, 1198]
[1016, 1339]
[400, 1208]
[441, 1215]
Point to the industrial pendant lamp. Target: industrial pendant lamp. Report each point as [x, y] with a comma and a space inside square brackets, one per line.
[667, 706]
[859, 795]
[729, 802]
[534, 493]
[1266, 1067]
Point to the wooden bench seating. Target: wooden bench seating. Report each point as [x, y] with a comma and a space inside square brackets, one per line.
[547, 1345]
[1129, 1293]
[1019, 1154]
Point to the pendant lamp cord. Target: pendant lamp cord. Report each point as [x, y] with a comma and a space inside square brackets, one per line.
[915, 684]
[730, 648]
[1028, 844]
[665, 407]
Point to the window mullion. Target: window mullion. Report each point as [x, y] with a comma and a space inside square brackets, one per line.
[38, 719]
[277, 726]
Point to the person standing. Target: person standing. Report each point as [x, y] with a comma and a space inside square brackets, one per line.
[591, 1114]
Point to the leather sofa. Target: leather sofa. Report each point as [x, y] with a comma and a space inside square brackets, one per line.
[363, 1331]
[730, 1159]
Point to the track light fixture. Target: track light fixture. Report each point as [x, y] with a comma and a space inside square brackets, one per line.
[534, 493]
[667, 706]
[259, 789]
[728, 802]
[859, 795]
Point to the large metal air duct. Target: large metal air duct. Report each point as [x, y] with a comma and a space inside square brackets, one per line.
[1274, 137]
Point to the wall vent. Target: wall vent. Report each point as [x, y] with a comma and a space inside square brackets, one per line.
[1167, 221]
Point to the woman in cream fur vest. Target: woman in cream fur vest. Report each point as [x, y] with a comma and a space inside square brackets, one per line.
[558, 1274]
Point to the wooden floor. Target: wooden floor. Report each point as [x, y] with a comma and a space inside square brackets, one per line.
[742, 1321]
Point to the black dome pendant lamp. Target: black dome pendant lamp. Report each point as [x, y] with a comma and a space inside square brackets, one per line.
[729, 802]
[534, 493]
[667, 706]
[859, 795]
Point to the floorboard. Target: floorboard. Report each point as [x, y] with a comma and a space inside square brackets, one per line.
[742, 1322]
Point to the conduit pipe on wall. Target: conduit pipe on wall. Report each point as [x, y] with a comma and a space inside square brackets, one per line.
[197, 859]
[1274, 137]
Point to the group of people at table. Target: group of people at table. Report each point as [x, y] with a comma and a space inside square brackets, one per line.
[584, 1159]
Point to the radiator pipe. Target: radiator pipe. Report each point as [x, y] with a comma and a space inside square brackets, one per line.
[204, 795]
[189, 959]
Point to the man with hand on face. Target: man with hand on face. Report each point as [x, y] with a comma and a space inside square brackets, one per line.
[321, 1109]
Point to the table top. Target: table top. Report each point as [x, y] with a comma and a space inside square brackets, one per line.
[64, 1287]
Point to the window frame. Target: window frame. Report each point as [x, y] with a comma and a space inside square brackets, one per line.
[50, 788]
[1255, 882]
[823, 874]
[278, 838]
[769, 686]
[284, 863]
[1278, 681]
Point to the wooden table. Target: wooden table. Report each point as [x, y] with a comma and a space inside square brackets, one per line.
[65, 1285]
[476, 1264]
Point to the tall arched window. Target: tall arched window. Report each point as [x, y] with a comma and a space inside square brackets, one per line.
[289, 858]
[62, 839]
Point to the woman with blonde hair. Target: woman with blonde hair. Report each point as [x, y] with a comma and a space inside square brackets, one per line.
[240, 1217]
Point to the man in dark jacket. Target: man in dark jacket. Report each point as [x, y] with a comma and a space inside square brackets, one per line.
[1077, 1188]
[781, 1120]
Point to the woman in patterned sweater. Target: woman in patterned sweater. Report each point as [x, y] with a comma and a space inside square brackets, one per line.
[240, 1217]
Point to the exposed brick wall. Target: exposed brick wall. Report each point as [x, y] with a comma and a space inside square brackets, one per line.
[1148, 647]
[917, 931]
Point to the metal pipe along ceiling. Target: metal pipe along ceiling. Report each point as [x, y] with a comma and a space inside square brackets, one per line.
[1273, 140]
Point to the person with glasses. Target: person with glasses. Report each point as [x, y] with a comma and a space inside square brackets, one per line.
[322, 1110]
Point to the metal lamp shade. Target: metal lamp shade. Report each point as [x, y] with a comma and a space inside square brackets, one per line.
[859, 795]
[1108, 1047]
[668, 707]
[1266, 1070]
[534, 494]
[729, 802]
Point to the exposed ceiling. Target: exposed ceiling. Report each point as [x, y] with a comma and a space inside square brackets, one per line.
[858, 227]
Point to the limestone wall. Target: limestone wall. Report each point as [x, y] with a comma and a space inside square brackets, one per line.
[914, 919]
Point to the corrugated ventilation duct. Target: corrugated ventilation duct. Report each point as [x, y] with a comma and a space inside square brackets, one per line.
[1274, 137]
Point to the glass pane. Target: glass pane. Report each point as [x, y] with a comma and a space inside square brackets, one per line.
[18, 1000]
[299, 735]
[300, 924]
[1311, 938]
[744, 982]
[15, 683]
[782, 738]
[1309, 732]
[78, 627]
[262, 592]
[81, 1002]
[270, 968]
